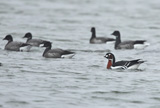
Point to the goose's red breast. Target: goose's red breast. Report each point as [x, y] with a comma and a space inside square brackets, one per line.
[109, 64]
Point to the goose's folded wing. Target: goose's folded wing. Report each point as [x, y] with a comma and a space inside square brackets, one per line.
[126, 45]
[120, 63]
[14, 45]
[53, 54]
[35, 42]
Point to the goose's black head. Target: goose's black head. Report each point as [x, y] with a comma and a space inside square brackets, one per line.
[109, 56]
[47, 44]
[28, 35]
[93, 29]
[8, 37]
[116, 33]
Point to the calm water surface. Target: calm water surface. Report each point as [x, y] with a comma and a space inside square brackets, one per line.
[30, 81]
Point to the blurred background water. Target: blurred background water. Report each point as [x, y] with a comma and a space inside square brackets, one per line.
[30, 81]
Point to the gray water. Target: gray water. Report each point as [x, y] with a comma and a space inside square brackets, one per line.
[27, 80]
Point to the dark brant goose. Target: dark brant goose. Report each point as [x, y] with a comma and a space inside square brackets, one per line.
[13, 45]
[56, 53]
[137, 44]
[33, 42]
[98, 40]
[112, 64]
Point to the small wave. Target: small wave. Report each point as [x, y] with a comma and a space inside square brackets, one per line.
[135, 101]
[121, 92]
[156, 98]
[63, 40]
[157, 28]
[17, 102]
[91, 50]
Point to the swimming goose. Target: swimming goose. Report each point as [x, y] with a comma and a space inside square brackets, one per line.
[98, 40]
[139, 44]
[13, 45]
[112, 64]
[56, 53]
[33, 42]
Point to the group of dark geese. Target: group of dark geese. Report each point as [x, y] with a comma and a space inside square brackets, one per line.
[60, 53]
